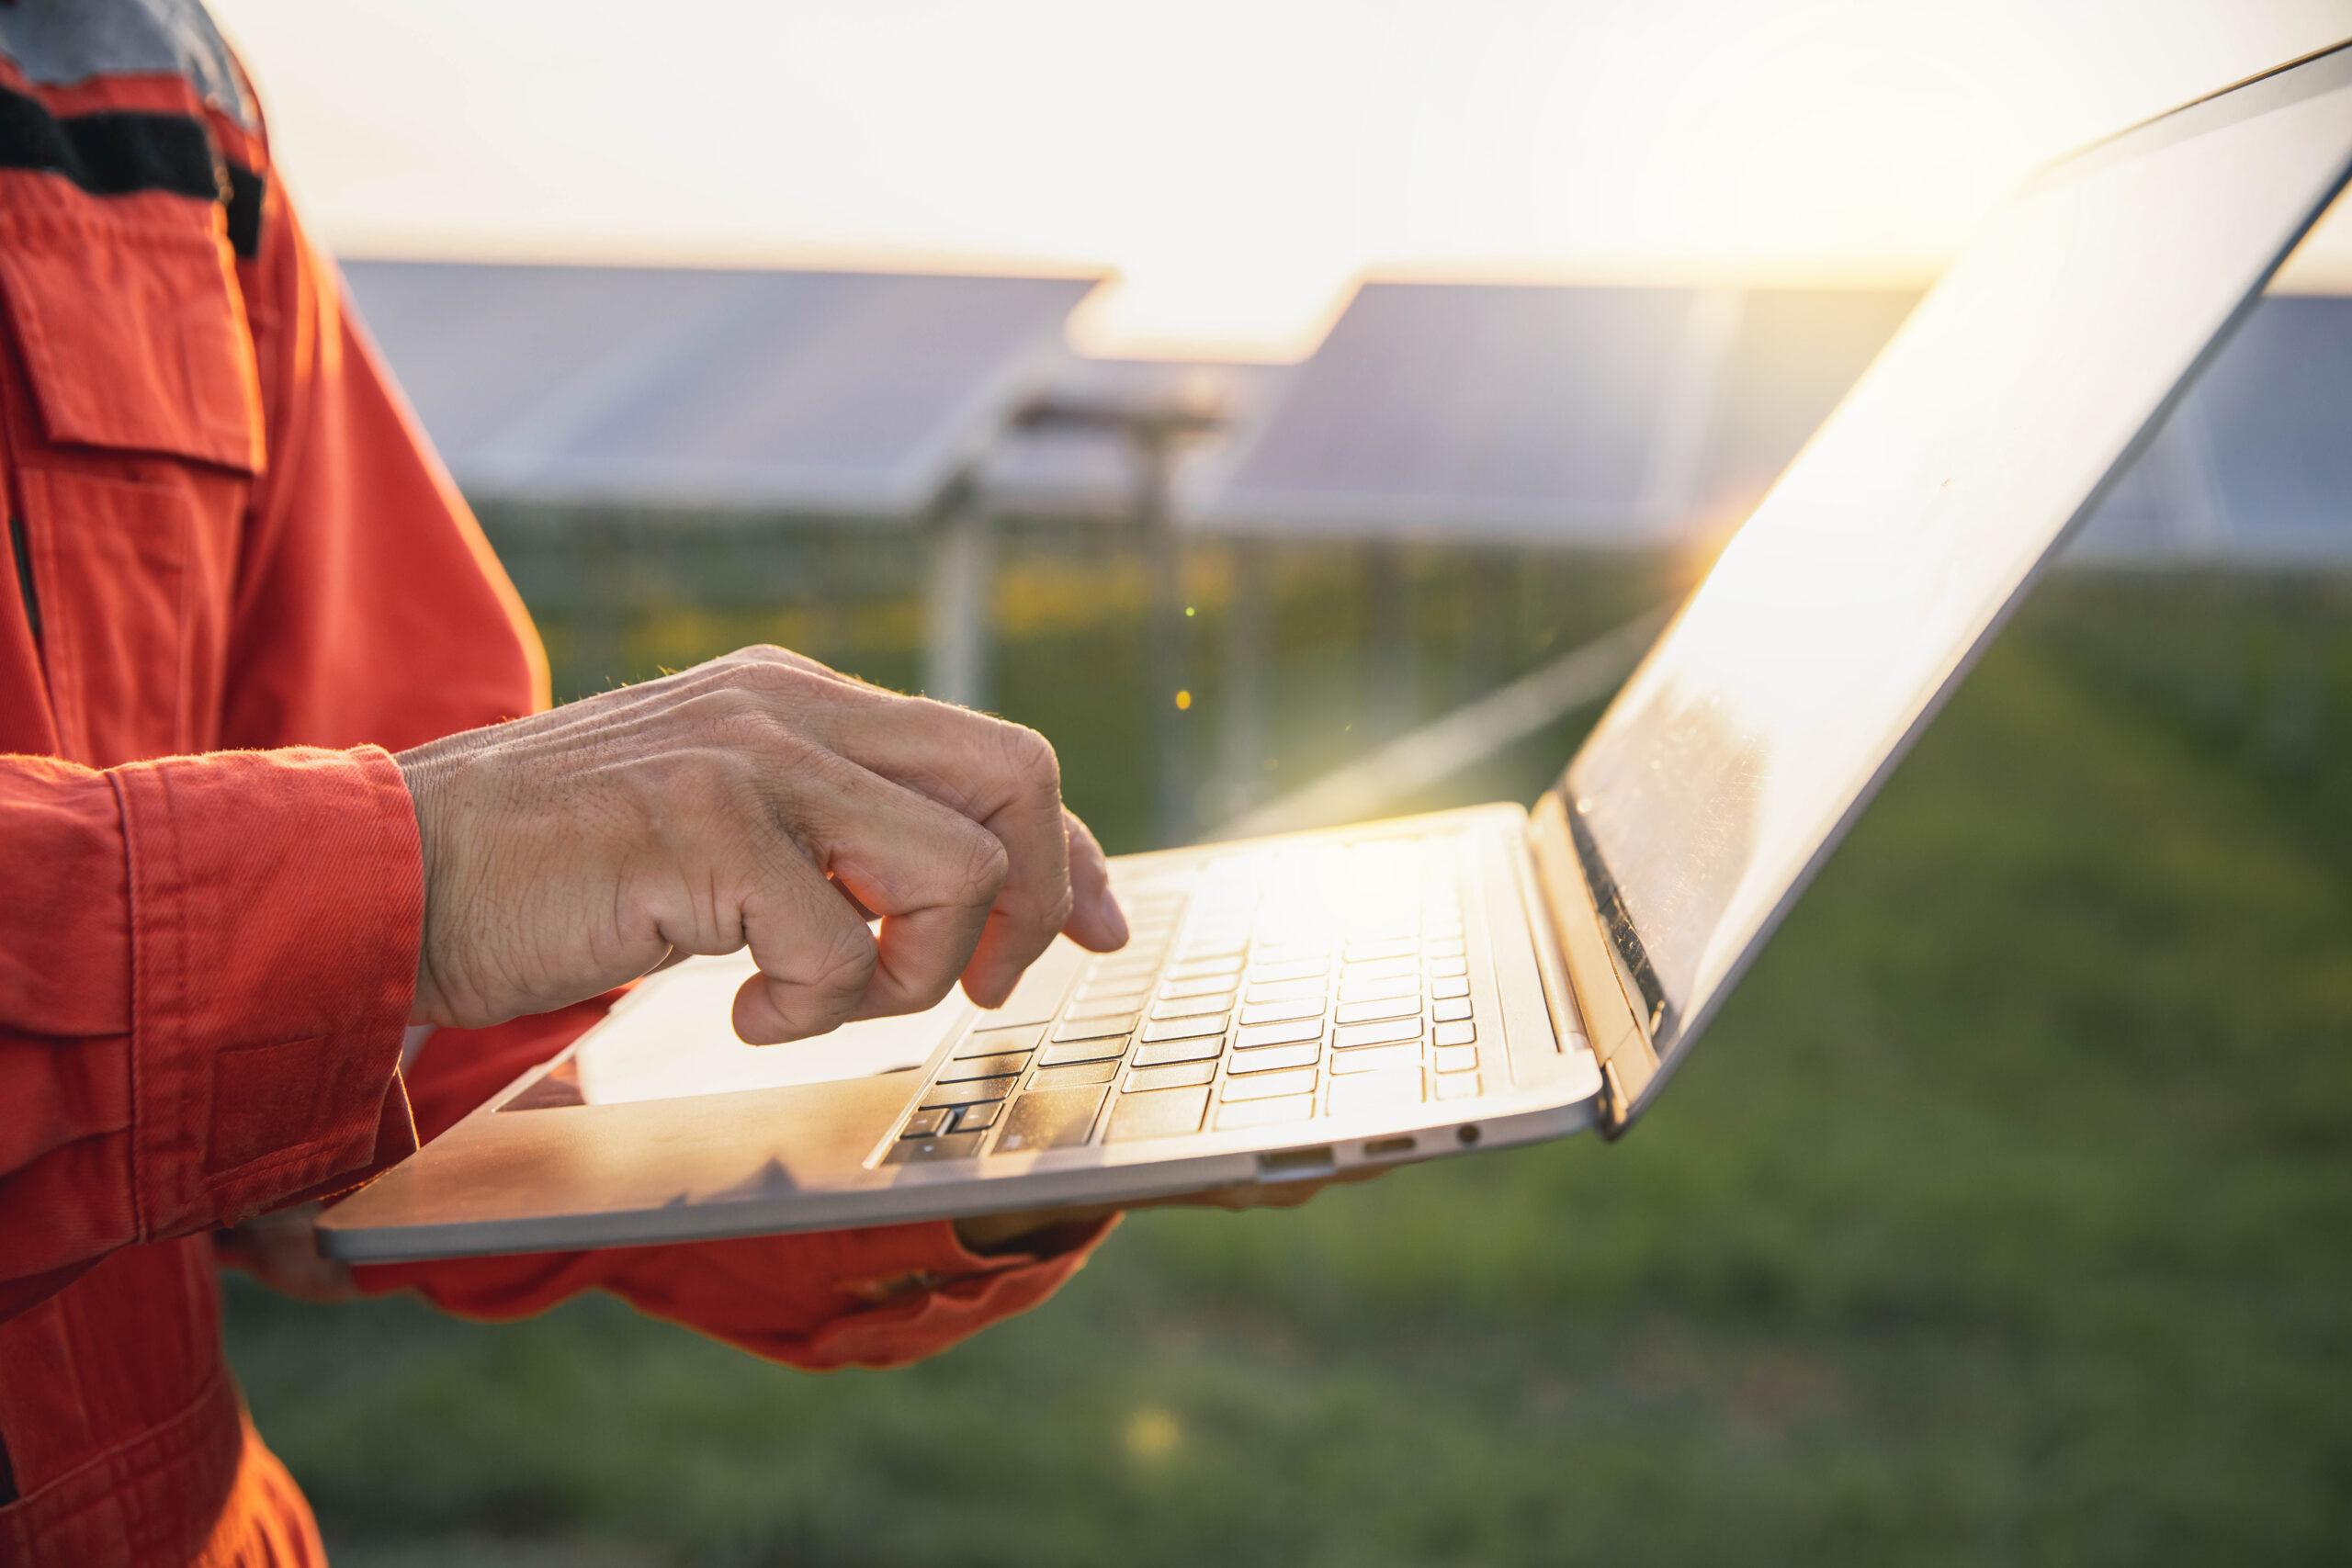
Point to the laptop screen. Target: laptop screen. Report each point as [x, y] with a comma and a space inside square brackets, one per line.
[1860, 587]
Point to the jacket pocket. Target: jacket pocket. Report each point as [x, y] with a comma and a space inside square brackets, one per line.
[133, 334]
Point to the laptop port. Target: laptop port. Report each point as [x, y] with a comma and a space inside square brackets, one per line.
[1468, 1134]
[1383, 1148]
[1291, 1165]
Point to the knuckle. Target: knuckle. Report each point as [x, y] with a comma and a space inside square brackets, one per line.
[1029, 757]
[730, 714]
[763, 653]
[986, 867]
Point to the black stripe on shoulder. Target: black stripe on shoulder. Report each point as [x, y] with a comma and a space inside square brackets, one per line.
[247, 190]
[117, 151]
[109, 154]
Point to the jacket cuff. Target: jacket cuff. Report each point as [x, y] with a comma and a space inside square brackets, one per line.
[277, 903]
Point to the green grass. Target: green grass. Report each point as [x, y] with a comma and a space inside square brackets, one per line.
[2003, 1218]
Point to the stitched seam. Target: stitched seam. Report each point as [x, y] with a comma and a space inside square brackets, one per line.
[131, 868]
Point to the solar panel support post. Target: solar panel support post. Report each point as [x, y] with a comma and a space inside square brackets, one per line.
[956, 631]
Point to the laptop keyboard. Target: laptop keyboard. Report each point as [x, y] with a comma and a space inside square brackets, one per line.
[1282, 986]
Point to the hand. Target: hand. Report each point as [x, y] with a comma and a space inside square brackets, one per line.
[281, 1250]
[762, 799]
[986, 1234]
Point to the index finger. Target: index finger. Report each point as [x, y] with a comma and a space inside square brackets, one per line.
[1002, 776]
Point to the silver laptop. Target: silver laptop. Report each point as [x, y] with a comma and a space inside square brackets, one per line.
[1300, 1006]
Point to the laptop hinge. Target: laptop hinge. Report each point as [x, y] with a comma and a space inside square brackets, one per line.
[1617, 1026]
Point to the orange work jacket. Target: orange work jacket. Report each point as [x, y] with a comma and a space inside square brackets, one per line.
[237, 576]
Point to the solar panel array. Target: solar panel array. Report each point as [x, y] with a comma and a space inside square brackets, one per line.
[1441, 412]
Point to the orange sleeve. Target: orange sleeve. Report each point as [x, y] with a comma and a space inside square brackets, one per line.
[206, 964]
[373, 610]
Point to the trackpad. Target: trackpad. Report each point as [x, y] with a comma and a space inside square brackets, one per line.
[674, 1036]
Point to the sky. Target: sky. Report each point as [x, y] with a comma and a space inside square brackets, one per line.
[1235, 164]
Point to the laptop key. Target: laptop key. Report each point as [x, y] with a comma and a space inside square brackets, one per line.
[1395, 947]
[1055, 1119]
[1283, 1013]
[977, 1118]
[1193, 1007]
[1249, 1036]
[1443, 947]
[1273, 1058]
[1176, 1075]
[983, 1067]
[1209, 985]
[996, 1042]
[1406, 1006]
[1261, 1112]
[1453, 1011]
[1384, 969]
[1157, 1113]
[1071, 1077]
[1381, 989]
[1296, 969]
[1457, 1086]
[1441, 989]
[1379, 1058]
[1353, 1034]
[1286, 991]
[951, 1146]
[1456, 1058]
[968, 1093]
[1456, 1033]
[1105, 1050]
[1204, 1049]
[1270, 1086]
[1207, 968]
[1184, 1028]
[1109, 1004]
[1093, 1028]
[923, 1123]
[1447, 968]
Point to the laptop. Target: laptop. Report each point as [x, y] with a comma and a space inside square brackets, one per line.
[1303, 1006]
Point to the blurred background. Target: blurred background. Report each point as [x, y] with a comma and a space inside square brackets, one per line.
[1234, 393]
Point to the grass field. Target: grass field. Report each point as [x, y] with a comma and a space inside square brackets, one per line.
[2005, 1217]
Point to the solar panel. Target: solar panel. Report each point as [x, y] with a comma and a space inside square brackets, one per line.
[818, 391]
[1451, 409]
[2255, 464]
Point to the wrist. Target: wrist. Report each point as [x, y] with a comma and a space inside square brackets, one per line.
[424, 772]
